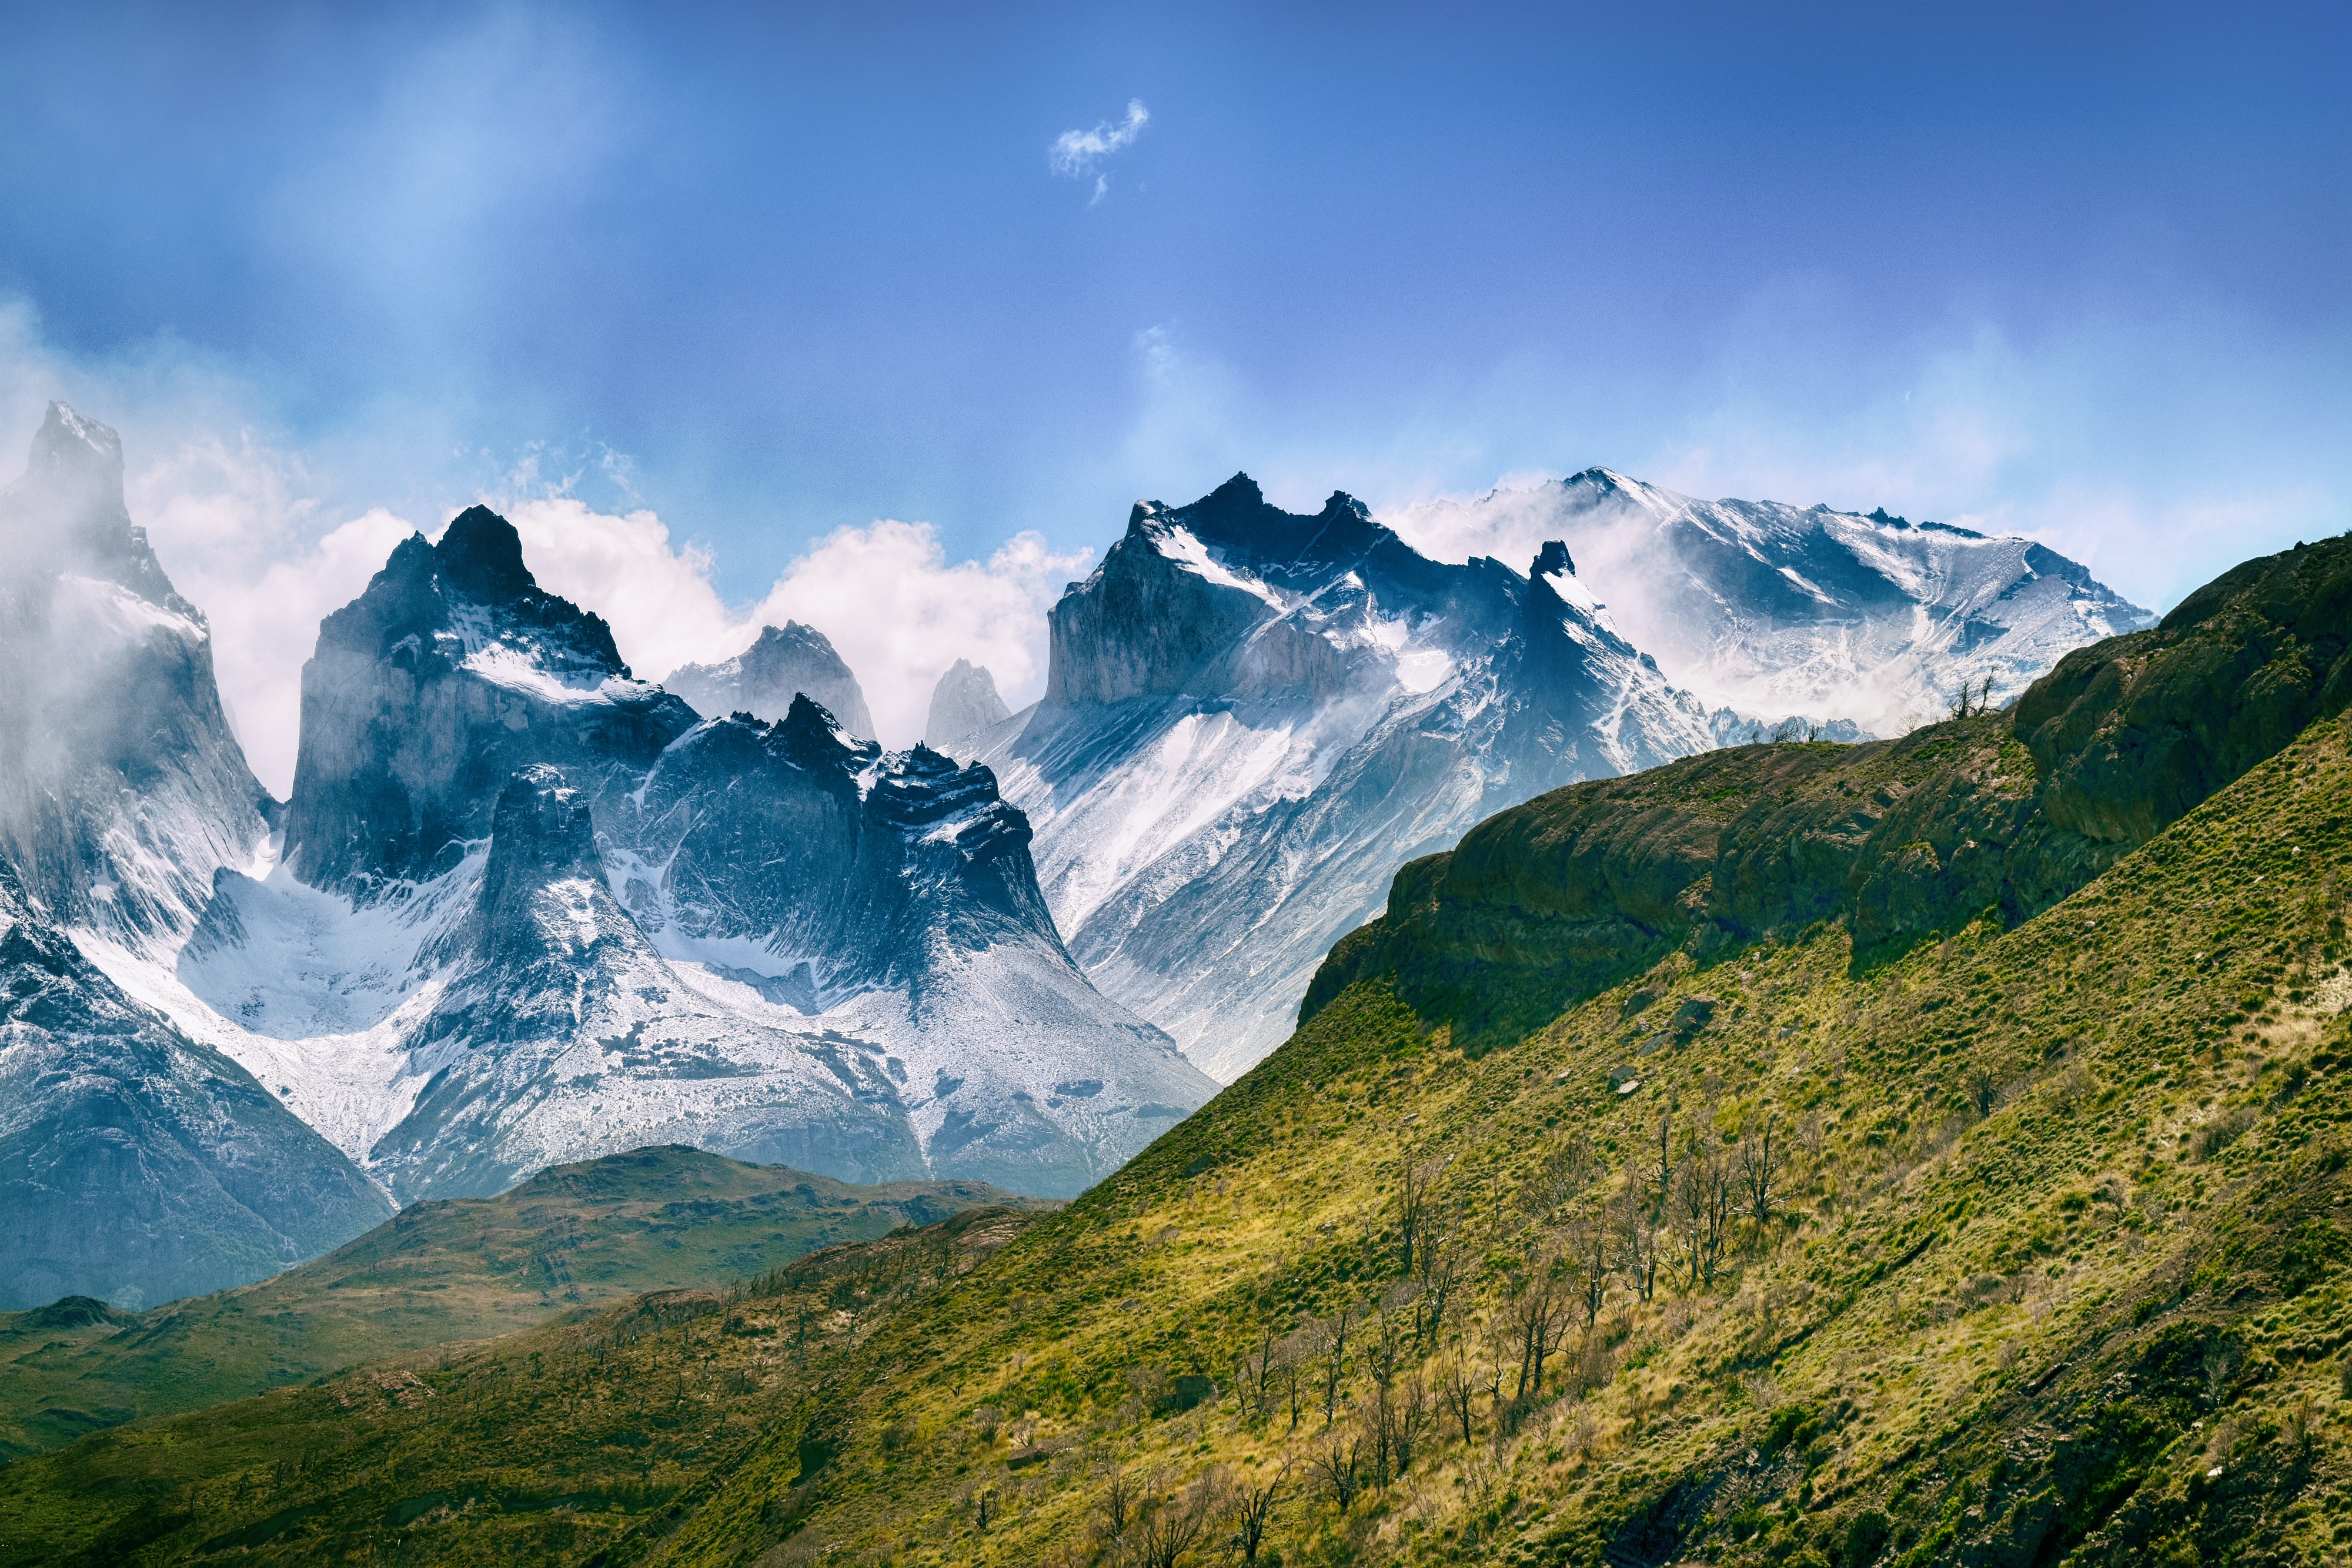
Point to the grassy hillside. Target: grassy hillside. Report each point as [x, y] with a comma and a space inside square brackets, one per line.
[2011, 1236]
[573, 1236]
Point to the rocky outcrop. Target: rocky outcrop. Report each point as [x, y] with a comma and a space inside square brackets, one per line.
[2132, 733]
[124, 789]
[2003, 814]
[453, 671]
[137, 1166]
[1254, 716]
[786, 661]
[963, 704]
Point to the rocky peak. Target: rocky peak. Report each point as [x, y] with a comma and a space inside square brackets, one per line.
[964, 703]
[1553, 560]
[762, 680]
[924, 795]
[480, 556]
[67, 513]
[810, 738]
[452, 672]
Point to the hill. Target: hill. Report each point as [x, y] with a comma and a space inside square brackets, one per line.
[571, 1238]
[2005, 1229]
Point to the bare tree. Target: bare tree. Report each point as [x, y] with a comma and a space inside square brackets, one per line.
[1701, 1214]
[1457, 1388]
[1638, 1240]
[1756, 1169]
[1540, 1314]
[1440, 1258]
[1116, 1510]
[1400, 1413]
[1390, 1333]
[1251, 1508]
[1292, 1356]
[1660, 1171]
[1585, 1253]
[1416, 1189]
[1337, 1463]
[1170, 1525]
[1500, 1342]
[1569, 1168]
[1328, 1338]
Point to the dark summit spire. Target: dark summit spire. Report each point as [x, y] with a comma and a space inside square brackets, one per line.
[482, 557]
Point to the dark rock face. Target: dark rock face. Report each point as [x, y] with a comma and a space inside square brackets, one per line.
[857, 871]
[124, 789]
[449, 674]
[1576, 891]
[561, 1025]
[1255, 716]
[963, 704]
[135, 1164]
[789, 661]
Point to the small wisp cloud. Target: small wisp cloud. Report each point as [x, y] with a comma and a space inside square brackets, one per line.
[1075, 154]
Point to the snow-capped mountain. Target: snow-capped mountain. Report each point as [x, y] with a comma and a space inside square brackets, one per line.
[123, 788]
[762, 680]
[1253, 717]
[1773, 610]
[963, 704]
[531, 909]
[135, 1164]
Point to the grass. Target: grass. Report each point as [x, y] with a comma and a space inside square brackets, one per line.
[571, 1238]
[2060, 1241]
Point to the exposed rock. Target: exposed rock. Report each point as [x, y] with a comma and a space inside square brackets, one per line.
[1765, 609]
[963, 704]
[773, 941]
[450, 673]
[788, 660]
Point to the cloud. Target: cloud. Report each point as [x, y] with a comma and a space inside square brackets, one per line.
[235, 511]
[898, 611]
[900, 614]
[1074, 155]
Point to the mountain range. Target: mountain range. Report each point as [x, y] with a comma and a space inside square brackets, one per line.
[523, 907]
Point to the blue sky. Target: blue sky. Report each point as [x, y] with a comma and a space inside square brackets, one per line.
[770, 272]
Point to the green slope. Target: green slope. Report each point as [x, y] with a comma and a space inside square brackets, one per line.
[573, 1235]
[2053, 1268]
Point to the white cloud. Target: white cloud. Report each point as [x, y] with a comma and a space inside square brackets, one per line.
[1075, 154]
[899, 613]
[886, 596]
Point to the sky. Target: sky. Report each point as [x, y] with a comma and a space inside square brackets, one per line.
[882, 316]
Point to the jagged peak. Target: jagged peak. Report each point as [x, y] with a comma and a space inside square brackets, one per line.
[812, 738]
[1239, 490]
[67, 439]
[1552, 560]
[480, 554]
